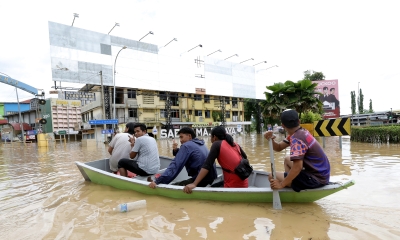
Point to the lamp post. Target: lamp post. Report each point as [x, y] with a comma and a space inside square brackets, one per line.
[247, 60]
[259, 63]
[267, 68]
[116, 25]
[195, 47]
[124, 47]
[171, 41]
[191, 49]
[219, 50]
[232, 56]
[358, 103]
[150, 32]
[75, 16]
[391, 116]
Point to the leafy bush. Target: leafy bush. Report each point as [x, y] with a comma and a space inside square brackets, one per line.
[310, 117]
[376, 134]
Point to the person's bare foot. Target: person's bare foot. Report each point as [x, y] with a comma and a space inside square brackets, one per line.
[149, 179]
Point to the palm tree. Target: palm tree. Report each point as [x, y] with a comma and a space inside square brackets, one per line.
[300, 96]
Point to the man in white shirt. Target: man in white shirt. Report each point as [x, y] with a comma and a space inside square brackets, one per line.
[145, 149]
[120, 147]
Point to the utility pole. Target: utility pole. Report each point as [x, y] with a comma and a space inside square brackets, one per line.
[102, 104]
[222, 102]
[21, 121]
[168, 112]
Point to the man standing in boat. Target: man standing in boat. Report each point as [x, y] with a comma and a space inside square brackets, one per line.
[307, 167]
[146, 151]
[191, 155]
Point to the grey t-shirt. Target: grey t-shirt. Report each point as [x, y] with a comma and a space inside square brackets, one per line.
[121, 149]
[147, 154]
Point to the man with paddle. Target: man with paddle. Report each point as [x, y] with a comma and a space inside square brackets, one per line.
[307, 167]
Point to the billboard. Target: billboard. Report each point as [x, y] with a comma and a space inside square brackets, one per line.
[329, 97]
[78, 55]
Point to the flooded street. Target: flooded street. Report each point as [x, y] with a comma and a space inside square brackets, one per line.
[44, 196]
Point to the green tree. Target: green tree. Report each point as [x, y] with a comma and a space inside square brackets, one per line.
[291, 95]
[313, 76]
[361, 103]
[252, 108]
[371, 110]
[216, 116]
[353, 102]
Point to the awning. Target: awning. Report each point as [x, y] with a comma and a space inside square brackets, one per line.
[17, 126]
[3, 121]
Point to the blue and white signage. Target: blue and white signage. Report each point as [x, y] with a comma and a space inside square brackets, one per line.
[104, 121]
[107, 131]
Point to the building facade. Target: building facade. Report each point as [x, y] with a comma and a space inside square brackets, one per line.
[200, 111]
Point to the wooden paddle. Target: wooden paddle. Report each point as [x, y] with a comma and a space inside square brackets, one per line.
[276, 199]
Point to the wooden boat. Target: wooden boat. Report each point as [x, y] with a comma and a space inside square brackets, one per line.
[259, 189]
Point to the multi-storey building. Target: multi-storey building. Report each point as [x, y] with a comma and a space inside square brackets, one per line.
[200, 111]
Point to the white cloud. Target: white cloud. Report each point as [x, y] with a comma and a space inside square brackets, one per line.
[353, 41]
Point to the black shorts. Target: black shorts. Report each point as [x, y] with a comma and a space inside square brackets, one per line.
[304, 181]
[132, 166]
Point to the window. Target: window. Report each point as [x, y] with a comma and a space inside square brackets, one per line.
[206, 98]
[227, 114]
[174, 113]
[131, 93]
[163, 96]
[190, 112]
[227, 100]
[162, 113]
[132, 112]
[234, 102]
[198, 113]
[207, 113]
[197, 97]
[119, 96]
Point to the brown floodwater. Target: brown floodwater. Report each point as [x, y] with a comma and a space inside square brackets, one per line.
[44, 196]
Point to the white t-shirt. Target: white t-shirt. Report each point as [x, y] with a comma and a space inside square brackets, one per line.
[147, 154]
[121, 149]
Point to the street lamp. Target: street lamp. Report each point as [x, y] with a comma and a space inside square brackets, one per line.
[195, 47]
[124, 47]
[267, 68]
[191, 49]
[247, 60]
[116, 25]
[171, 41]
[219, 50]
[75, 16]
[259, 63]
[232, 56]
[150, 32]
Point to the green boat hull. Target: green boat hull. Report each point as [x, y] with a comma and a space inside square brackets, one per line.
[259, 190]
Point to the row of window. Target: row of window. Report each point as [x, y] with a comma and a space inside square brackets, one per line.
[174, 97]
[198, 113]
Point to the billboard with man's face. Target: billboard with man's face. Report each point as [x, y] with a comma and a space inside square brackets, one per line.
[329, 97]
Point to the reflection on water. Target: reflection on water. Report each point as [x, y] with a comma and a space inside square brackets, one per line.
[44, 196]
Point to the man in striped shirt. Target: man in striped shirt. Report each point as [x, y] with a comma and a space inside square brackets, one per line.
[144, 155]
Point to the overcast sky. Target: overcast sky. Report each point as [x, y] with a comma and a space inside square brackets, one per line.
[356, 42]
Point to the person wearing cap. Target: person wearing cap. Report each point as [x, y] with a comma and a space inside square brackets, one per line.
[307, 167]
[120, 147]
